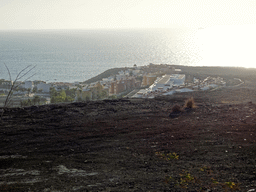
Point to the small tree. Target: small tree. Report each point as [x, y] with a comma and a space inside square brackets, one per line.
[58, 97]
[36, 100]
[103, 95]
[62, 94]
[28, 90]
[53, 100]
[24, 103]
[94, 96]
[23, 73]
[69, 99]
[34, 90]
[29, 102]
[87, 98]
[53, 91]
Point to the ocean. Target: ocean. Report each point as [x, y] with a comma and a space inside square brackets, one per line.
[78, 55]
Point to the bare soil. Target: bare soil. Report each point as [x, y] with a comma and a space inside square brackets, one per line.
[121, 145]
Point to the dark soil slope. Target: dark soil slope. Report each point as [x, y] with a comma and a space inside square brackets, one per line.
[122, 145]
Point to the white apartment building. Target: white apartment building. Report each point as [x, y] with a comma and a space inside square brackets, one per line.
[162, 84]
[108, 79]
[178, 79]
[120, 77]
[29, 84]
[167, 82]
[45, 87]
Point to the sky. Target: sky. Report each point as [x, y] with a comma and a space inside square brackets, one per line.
[112, 14]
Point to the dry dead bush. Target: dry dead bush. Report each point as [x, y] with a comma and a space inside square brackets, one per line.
[190, 103]
[176, 109]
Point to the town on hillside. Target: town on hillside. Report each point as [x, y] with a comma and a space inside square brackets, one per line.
[146, 81]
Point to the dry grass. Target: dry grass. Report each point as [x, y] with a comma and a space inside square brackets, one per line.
[190, 103]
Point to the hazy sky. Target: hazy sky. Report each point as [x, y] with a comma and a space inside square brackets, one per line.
[84, 14]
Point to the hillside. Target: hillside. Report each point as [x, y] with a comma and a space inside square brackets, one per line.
[105, 74]
[225, 72]
[122, 145]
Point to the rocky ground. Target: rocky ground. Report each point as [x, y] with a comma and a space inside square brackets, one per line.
[133, 144]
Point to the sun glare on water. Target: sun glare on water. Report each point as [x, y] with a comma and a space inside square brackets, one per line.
[228, 46]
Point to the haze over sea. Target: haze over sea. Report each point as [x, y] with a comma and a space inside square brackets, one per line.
[78, 55]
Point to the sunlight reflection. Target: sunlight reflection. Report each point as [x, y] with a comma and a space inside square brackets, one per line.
[227, 46]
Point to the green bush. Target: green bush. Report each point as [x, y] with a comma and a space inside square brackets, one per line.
[61, 96]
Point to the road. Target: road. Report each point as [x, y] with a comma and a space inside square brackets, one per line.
[133, 92]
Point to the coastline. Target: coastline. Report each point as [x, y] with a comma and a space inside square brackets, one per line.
[231, 75]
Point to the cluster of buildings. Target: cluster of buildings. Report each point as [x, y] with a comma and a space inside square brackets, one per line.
[208, 83]
[39, 86]
[169, 84]
[114, 85]
[162, 85]
[152, 80]
[150, 76]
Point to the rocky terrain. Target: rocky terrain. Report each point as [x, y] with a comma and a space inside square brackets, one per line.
[133, 144]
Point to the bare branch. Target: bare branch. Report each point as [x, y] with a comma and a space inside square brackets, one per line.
[30, 77]
[8, 98]
[8, 72]
[20, 75]
[17, 78]
[17, 85]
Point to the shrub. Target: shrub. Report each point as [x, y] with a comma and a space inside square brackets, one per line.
[190, 103]
[176, 109]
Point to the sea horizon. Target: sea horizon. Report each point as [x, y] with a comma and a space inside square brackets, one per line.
[78, 55]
